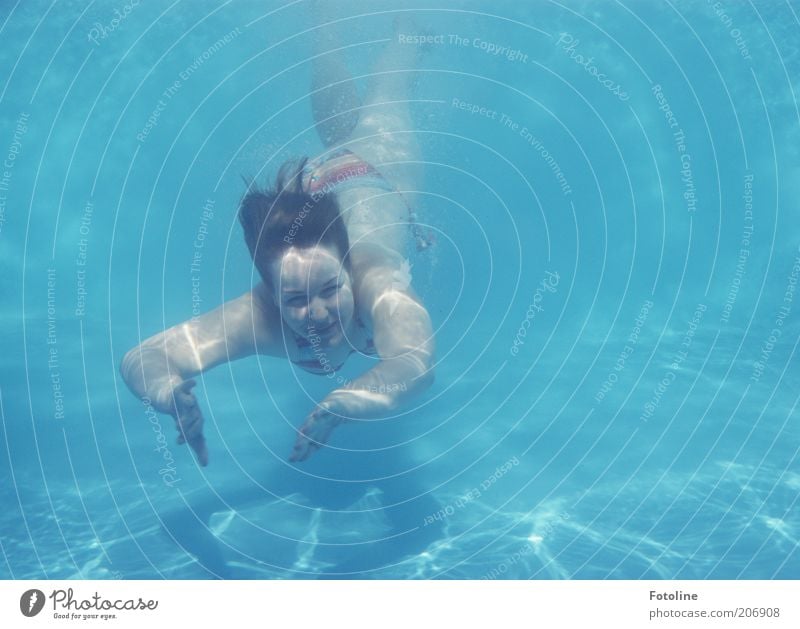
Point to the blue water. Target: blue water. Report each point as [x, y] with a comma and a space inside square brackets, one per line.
[617, 386]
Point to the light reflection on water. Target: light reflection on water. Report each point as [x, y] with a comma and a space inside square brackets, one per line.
[729, 521]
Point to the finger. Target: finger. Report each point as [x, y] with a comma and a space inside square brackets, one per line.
[311, 449]
[300, 456]
[192, 427]
[299, 451]
[180, 392]
[298, 448]
[187, 402]
[305, 449]
[187, 432]
[183, 432]
[201, 450]
[189, 421]
[317, 435]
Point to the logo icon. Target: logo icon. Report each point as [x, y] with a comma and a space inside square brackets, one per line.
[31, 603]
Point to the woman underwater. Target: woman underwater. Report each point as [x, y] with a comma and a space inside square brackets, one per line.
[328, 242]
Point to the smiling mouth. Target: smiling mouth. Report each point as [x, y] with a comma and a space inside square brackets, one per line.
[326, 330]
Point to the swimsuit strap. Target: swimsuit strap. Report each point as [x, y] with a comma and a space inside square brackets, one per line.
[342, 170]
[315, 367]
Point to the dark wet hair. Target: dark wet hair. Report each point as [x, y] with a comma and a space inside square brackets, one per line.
[288, 216]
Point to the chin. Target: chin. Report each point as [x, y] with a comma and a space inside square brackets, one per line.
[326, 337]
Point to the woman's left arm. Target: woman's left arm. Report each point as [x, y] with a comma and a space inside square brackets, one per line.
[403, 337]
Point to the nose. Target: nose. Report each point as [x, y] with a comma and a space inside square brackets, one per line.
[318, 311]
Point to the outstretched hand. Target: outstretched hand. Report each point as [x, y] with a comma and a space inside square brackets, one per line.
[189, 420]
[315, 432]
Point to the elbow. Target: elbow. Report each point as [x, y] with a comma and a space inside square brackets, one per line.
[423, 367]
[425, 380]
[125, 365]
[130, 362]
[430, 376]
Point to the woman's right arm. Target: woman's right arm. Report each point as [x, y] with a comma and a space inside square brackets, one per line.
[236, 329]
[162, 367]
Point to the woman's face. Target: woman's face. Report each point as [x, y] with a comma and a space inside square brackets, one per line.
[313, 292]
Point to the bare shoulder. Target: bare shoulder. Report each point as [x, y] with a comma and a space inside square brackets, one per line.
[382, 285]
[374, 270]
[235, 329]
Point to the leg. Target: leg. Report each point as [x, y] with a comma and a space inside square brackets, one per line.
[334, 99]
[384, 134]
[408, 538]
[403, 504]
[188, 524]
[189, 529]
